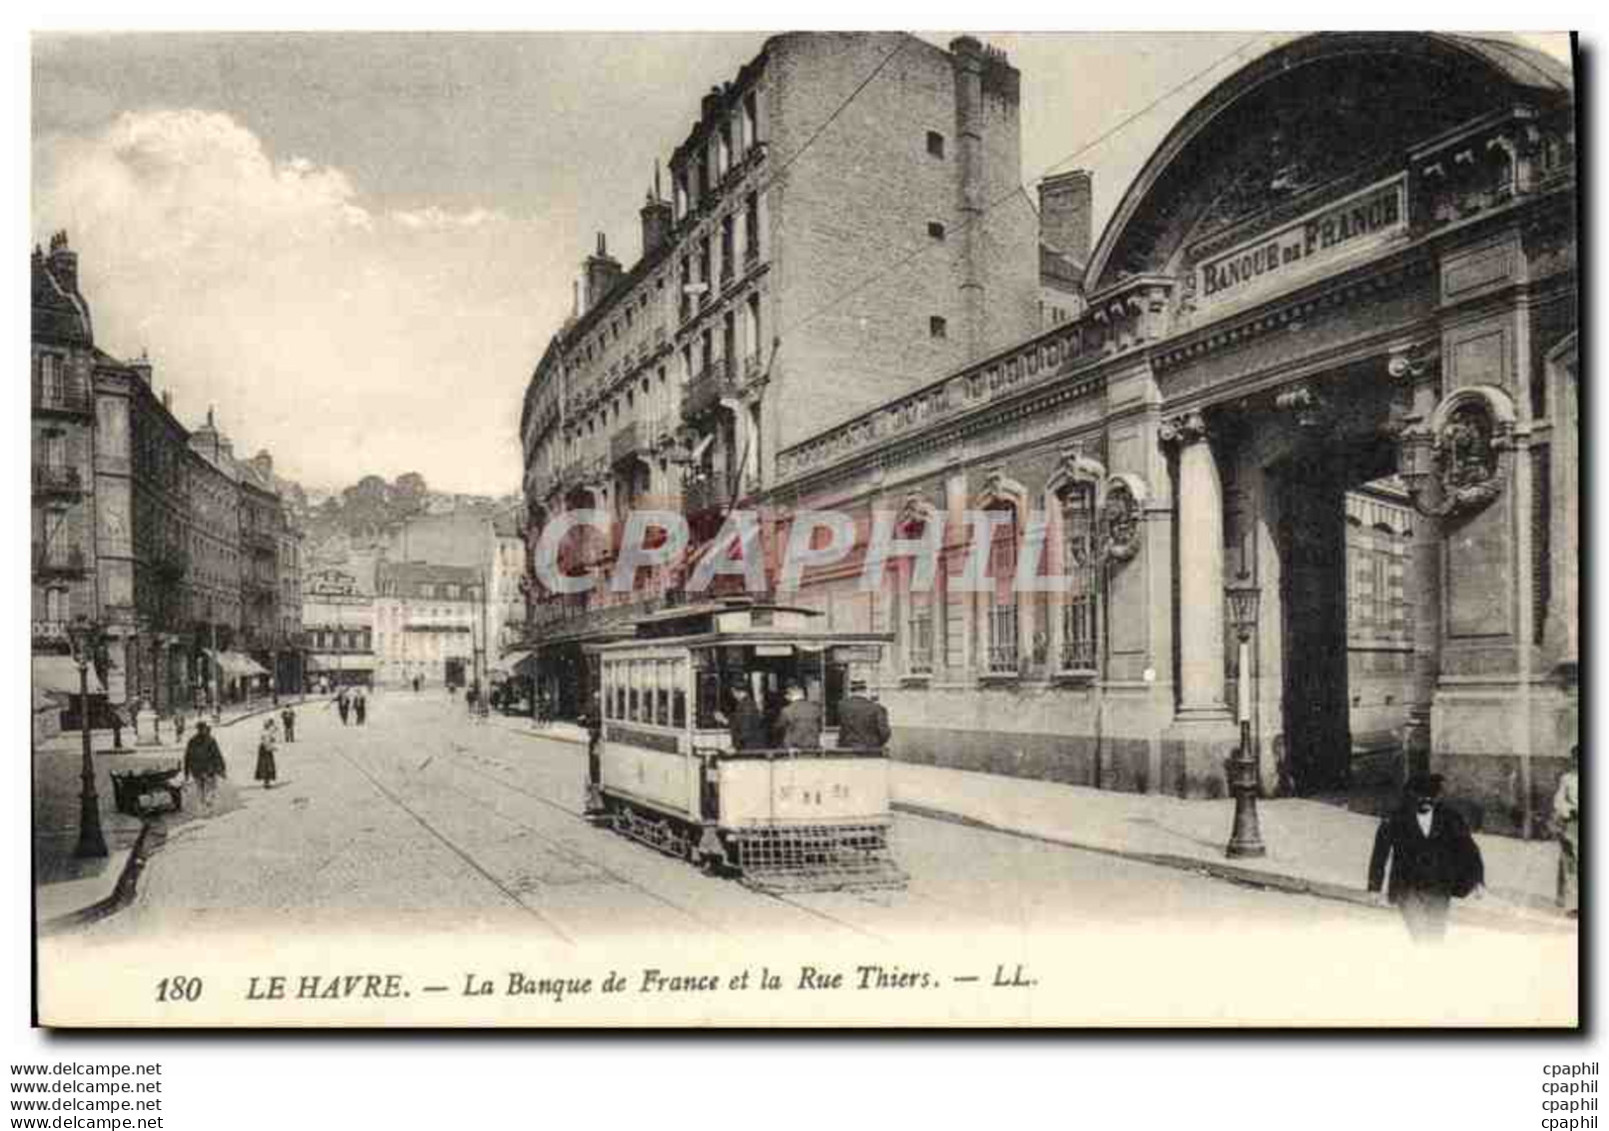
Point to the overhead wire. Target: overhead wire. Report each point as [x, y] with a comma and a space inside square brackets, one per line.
[930, 245]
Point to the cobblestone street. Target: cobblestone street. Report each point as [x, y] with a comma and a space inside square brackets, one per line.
[426, 825]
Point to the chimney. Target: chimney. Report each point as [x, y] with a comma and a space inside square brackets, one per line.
[167, 399]
[264, 463]
[967, 60]
[657, 219]
[63, 263]
[142, 368]
[1066, 202]
[603, 272]
[711, 103]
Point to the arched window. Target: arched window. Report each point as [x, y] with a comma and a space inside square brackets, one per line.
[1081, 603]
[921, 602]
[1002, 624]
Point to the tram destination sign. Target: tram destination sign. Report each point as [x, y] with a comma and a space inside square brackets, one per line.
[1358, 223]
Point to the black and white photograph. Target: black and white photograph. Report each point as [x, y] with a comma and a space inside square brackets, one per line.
[805, 529]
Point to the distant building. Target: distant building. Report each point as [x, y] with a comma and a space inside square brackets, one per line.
[429, 623]
[338, 626]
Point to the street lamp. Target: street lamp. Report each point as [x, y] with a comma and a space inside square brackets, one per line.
[1246, 839]
[85, 637]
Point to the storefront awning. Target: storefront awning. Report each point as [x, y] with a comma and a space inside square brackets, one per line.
[511, 662]
[60, 674]
[236, 665]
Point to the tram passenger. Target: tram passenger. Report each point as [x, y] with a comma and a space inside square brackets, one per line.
[746, 724]
[862, 724]
[799, 725]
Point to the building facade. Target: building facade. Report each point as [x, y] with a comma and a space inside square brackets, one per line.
[678, 381]
[1325, 350]
[62, 409]
[137, 521]
[431, 622]
[338, 629]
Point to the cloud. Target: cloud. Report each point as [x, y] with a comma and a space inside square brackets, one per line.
[437, 219]
[346, 338]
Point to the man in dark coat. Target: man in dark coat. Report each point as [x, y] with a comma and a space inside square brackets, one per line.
[799, 725]
[862, 724]
[287, 717]
[203, 761]
[747, 724]
[1432, 858]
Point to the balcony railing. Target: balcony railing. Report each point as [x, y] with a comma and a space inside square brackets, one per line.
[259, 541]
[52, 480]
[59, 561]
[63, 398]
[625, 443]
[50, 632]
[707, 493]
[704, 392]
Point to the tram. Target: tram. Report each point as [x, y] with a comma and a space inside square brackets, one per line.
[665, 769]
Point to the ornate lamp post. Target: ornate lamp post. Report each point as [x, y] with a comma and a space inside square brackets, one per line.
[85, 637]
[1247, 837]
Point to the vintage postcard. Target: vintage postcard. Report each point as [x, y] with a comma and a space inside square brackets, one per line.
[805, 529]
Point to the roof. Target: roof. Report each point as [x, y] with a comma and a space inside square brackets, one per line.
[414, 573]
[1409, 82]
[59, 313]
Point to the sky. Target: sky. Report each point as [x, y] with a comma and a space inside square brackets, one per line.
[357, 245]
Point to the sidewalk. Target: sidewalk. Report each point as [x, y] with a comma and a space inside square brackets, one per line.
[1313, 848]
[67, 888]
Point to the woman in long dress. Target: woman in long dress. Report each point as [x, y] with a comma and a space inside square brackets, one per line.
[266, 770]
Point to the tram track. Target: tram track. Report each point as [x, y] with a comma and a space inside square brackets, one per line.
[457, 850]
[779, 897]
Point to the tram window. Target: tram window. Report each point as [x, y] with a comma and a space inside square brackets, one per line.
[662, 693]
[709, 699]
[678, 699]
[837, 685]
[608, 690]
[633, 694]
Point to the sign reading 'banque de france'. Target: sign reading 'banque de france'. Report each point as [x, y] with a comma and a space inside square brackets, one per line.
[1354, 224]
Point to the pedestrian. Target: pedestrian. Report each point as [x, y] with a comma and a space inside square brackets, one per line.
[117, 729]
[266, 770]
[203, 761]
[591, 720]
[799, 724]
[360, 704]
[342, 705]
[1567, 827]
[862, 724]
[288, 718]
[746, 724]
[1432, 858]
[178, 727]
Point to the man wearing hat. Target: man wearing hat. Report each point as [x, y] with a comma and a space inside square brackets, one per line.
[862, 724]
[799, 724]
[746, 724]
[1432, 858]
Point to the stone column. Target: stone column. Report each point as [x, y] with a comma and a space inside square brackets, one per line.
[1201, 569]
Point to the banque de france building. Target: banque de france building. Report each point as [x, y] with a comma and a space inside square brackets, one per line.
[1350, 267]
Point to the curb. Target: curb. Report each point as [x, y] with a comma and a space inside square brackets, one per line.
[1246, 877]
[122, 891]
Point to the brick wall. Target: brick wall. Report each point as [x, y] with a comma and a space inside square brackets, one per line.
[859, 200]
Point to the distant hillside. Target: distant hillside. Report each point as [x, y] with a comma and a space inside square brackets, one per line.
[366, 512]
